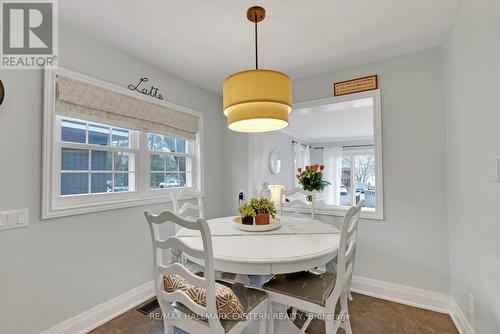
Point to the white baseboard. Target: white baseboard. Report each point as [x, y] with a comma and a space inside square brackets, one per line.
[402, 294]
[100, 314]
[458, 317]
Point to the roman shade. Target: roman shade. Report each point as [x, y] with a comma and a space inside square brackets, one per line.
[78, 99]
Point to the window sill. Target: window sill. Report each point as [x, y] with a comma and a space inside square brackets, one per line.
[77, 209]
[338, 211]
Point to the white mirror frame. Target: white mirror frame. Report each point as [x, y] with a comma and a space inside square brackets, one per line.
[378, 213]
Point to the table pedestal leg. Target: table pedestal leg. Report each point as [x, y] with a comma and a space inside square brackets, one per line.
[242, 278]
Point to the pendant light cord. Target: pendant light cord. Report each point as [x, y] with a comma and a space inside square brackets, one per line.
[256, 46]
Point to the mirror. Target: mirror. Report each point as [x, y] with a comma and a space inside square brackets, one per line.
[2, 92]
[343, 134]
[274, 162]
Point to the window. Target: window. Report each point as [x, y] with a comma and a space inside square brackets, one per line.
[92, 166]
[96, 158]
[358, 177]
[171, 162]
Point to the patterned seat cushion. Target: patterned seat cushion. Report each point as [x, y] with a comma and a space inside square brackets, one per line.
[228, 304]
[305, 285]
[249, 298]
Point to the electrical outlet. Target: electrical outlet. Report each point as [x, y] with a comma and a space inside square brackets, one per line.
[3, 219]
[11, 218]
[470, 304]
[14, 219]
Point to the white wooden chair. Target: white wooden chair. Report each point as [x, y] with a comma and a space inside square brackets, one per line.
[296, 203]
[178, 309]
[184, 211]
[331, 266]
[317, 295]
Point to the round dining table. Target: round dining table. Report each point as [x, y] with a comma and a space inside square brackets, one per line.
[298, 244]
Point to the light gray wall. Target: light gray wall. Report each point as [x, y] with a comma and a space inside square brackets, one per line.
[411, 246]
[235, 170]
[58, 268]
[316, 155]
[471, 58]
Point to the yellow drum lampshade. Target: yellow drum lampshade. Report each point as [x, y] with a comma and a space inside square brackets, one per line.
[257, 100]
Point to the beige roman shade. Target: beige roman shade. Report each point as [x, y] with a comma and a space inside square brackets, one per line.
[77, 99]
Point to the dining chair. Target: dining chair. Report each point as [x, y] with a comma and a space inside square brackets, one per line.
[184, 211]
[296, 203]
[331, 266]
[317, 295]
[191, 302]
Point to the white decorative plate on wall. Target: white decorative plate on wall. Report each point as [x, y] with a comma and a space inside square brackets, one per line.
[274, 162]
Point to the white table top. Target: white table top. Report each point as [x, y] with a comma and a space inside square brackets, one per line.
[299, 244]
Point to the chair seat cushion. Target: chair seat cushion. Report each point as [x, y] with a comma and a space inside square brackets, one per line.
[305, 285]
[228, 304]
[249, 298]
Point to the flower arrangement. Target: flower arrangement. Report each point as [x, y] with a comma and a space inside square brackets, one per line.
[311, 178]
[260, 209]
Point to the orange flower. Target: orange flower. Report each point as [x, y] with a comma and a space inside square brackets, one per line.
[307, 167]
[321, 167]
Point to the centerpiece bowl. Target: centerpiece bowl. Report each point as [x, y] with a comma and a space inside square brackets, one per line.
[274, 224]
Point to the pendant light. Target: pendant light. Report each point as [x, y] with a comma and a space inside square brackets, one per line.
[257, 100]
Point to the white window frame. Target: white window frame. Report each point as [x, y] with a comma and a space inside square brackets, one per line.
[54, 205]
[378, 212]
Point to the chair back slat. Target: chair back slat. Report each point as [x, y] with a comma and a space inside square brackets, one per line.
[169, 216]
[297, 203]
[185, 194]
[348, 273]
[188, 205]
[172, 242]
[350, 251]
[352, 230]
[176, 243]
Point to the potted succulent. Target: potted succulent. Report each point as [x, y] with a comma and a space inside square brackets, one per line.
[264, 209]
[247, 214]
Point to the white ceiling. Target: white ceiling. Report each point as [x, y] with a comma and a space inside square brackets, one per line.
[339, 122]
[204, 41]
